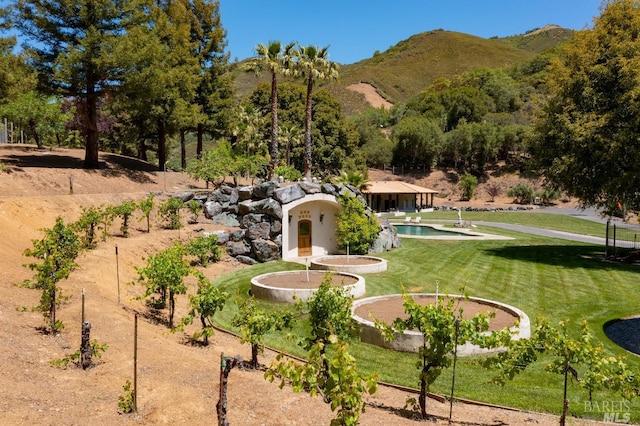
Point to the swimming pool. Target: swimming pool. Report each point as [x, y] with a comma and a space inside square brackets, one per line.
[429, 231]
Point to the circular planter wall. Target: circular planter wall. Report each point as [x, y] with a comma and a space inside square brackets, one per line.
[294, 286]
[353, 264]
[411, 340]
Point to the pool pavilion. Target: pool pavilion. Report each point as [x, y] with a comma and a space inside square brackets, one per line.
[397, 196]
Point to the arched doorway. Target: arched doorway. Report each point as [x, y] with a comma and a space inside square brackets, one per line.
[304, 238]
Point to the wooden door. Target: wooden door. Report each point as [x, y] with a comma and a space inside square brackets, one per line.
[304, 238]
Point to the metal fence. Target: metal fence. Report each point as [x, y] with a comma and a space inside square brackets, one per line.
[621, 239]
[9, 133]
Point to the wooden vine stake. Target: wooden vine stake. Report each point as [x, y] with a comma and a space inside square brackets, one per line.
[453, 376]
[118, 274]
[226, 365]
[135, 364]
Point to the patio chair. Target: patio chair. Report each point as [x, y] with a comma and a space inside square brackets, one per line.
[407, 219]
[416, 219]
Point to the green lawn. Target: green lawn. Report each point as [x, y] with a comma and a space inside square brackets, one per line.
[557, 222]
[542, 276]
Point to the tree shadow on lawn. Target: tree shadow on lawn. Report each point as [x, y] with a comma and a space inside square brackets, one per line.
[571, 256]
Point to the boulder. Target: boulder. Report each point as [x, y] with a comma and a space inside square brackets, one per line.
[328, 188]
[265, 206]
[265, 250]
[230, 208]
[288, 194]
[219, 196]
[226, 219]
[310, 188]
[276, 227]
[248, 206]
[226, 189]
[237, 235]
[246, 260]
[344, 190]
[382, 243]
[184, 196]
[387, 239]
[201, 197]
[223, 236]
[278, 241]
[238, 248]
[258, 231]
[264, 190]
[244, 193]
[212, 208]
[272, 208]
[251, 219]
[234, 196]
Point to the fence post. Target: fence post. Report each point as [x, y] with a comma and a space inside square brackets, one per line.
[606, 241]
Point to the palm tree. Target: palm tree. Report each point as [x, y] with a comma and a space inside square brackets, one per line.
[291, 136]
[278, 61]
[245, 131]
[353, 178]
[313, 64]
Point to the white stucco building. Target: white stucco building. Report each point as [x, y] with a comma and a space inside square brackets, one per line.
[309, 226]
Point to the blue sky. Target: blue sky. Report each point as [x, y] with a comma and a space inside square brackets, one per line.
[355, 29]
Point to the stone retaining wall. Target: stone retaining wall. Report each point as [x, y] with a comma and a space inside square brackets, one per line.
[257, 212]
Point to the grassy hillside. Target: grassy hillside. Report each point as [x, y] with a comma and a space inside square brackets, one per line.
[410, 66]
[539, 40]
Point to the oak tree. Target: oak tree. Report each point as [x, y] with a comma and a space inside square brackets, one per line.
[587, 135]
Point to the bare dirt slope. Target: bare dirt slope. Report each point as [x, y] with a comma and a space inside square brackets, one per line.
[178, 383]
[370, 95]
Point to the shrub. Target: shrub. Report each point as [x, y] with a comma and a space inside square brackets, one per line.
[96, 351]
[355, 228]
[493, 190]
[124, 211]
[547, 195]
[288, 173]
[126, 400]
[170, 212]
[205, 249]
[86, 226]
[522, 193]
[467, 185]
[203, 305]
[194, 207]
[146, 206]
[164, 274]
[56, 253]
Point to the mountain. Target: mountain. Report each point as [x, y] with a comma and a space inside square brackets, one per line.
[411, 65]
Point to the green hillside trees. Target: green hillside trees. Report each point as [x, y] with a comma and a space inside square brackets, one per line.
[587, 136]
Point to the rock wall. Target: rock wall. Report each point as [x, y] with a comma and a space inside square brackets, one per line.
[257, 212]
